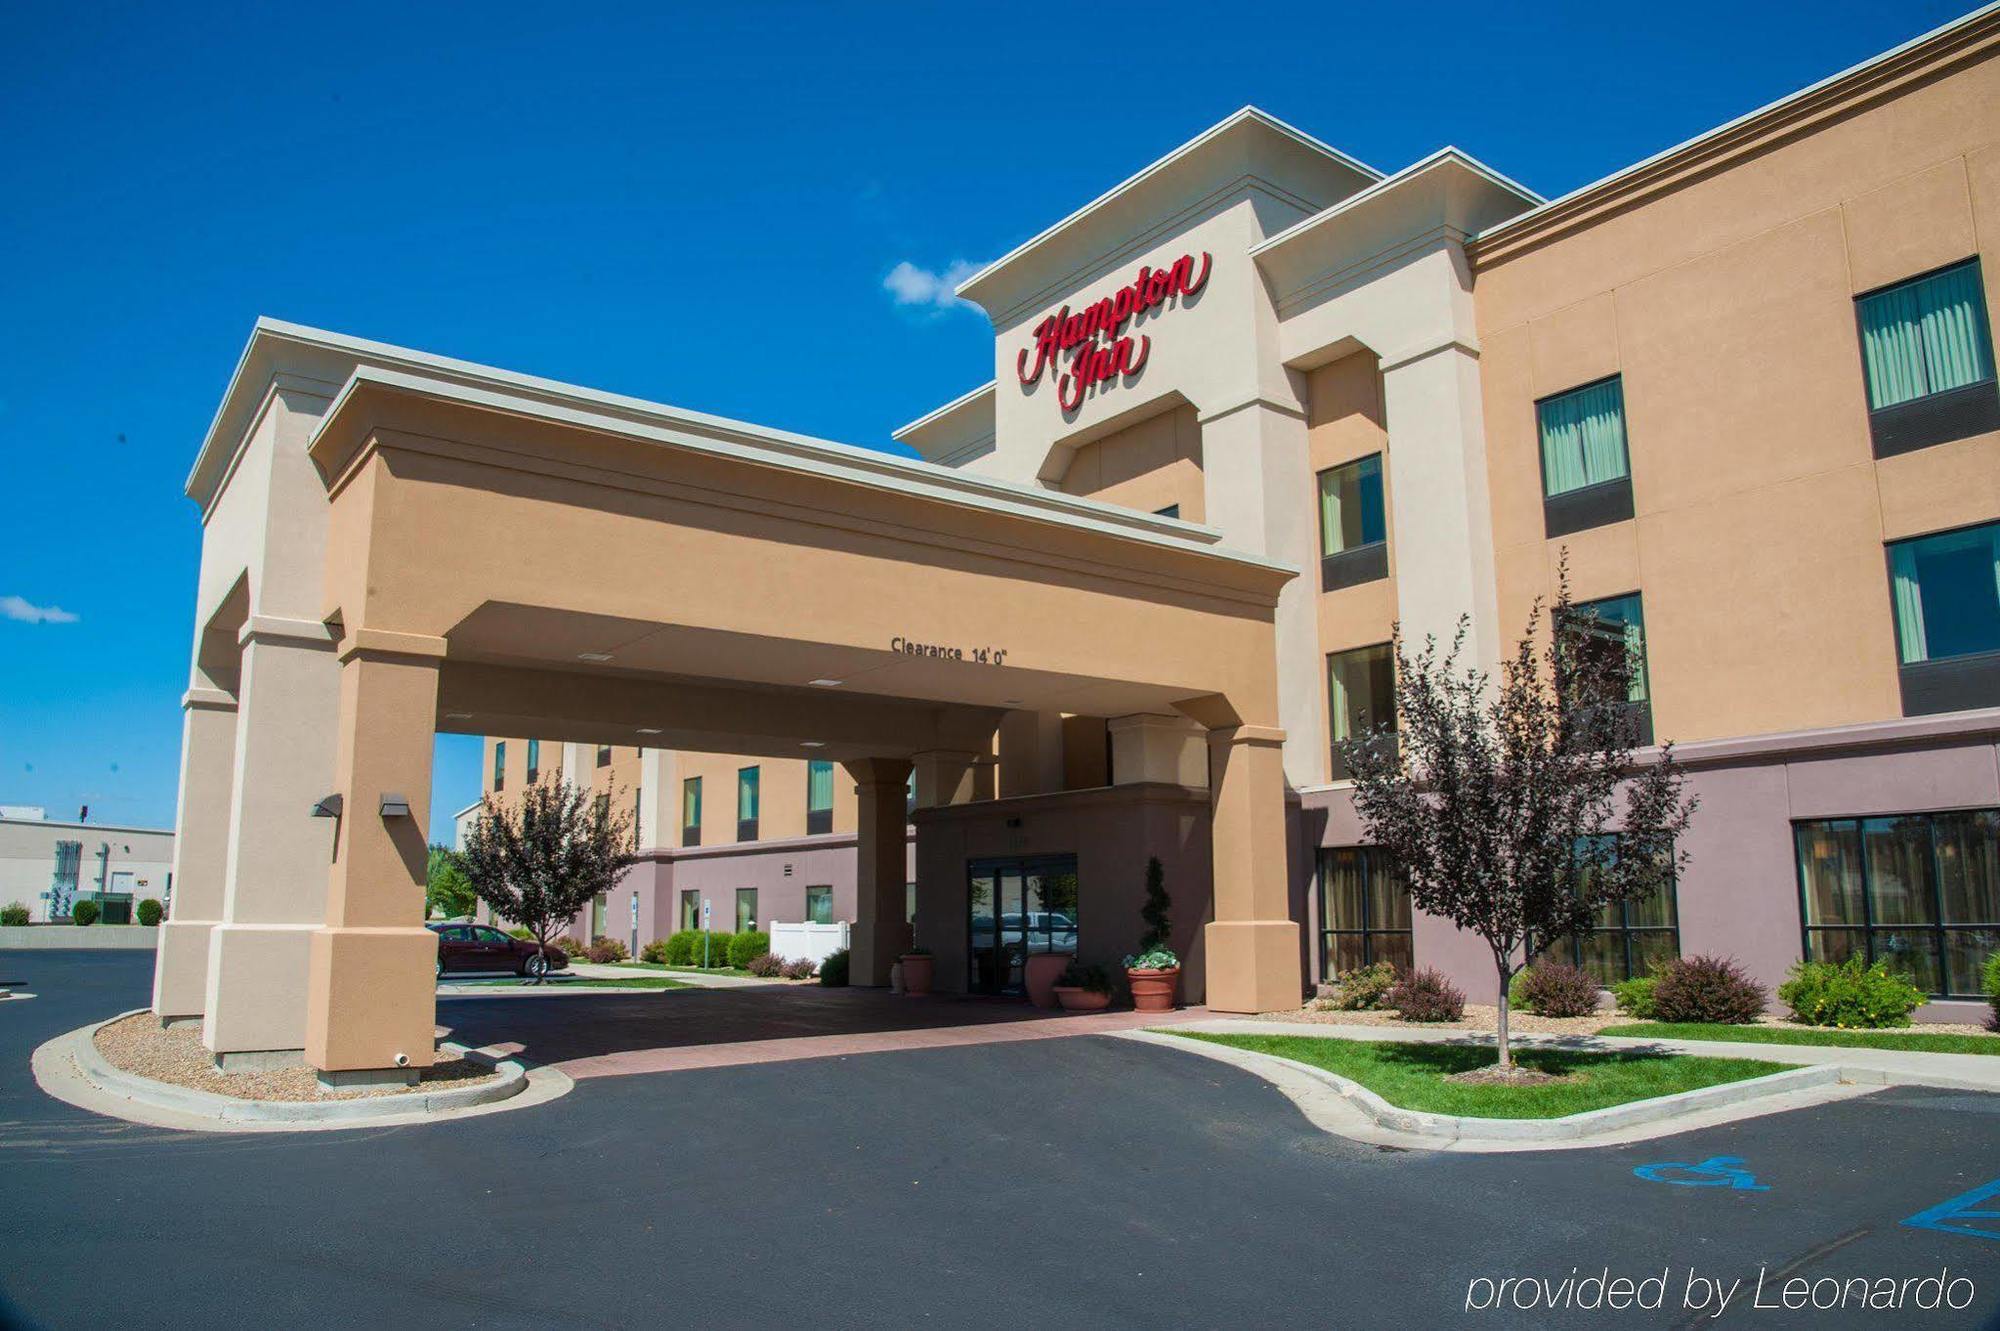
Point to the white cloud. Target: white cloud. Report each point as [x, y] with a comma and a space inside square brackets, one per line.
[27, 612]
[925, 287]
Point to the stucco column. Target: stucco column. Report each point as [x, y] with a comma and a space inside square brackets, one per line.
[275, 889]
[1258, 475]
[880, 863]
[201, 854]
[1441, 514]
[943, 777]
[371, 988]
[1253, 943]
[1031, 753]
[1148, 748]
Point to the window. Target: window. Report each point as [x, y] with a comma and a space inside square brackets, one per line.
[1945, 591]
[746, 909]
[499, 766]
[1631, 937]
[746, 803]
[909, 903]
[910, 794]
[600, 808]
[690, 909]
[691, 811]
[819, 797]
[638, 810]
[1353, 528]
[534, 760]
[1617, 624]
[1170, 511]
[604, 755]
[1364, 911]
[1927, 356]
[1586, 472]
[597, 916]
[819, 905]
[1361, 697]
[1920, 891]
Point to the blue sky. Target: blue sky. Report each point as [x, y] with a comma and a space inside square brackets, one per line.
[737, 209]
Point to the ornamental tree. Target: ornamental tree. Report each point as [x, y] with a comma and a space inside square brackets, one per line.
[1515, 808]
[448, 893]
[542, 860]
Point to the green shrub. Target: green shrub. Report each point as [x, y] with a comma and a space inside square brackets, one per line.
[1849, 995]
[604, 951]
[748, 946]
[1635, 996]
[1426, 995]
[150, 911]
[1517, 991]
[571, 948]
[717, 955]
[1710, 990]
[655, 952]
[1991, 984]
[1552, 988]
[84, 912]
[13, 914]
[1361, 989]
[833, 971]
[522, 932]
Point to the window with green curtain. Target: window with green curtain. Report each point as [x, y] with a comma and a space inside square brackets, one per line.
[746, 794]
[691, 802]
[1350, 506]
[1617, 623]
[1926, 336]
[1364, 910]
[819, 786]
[1583, 436]
[500, 765]
[534, 760]
[819, 905]
[746, 909]
[1361, 690]
[1945, 590]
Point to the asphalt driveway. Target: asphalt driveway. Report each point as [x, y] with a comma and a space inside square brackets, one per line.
[1029, 1183]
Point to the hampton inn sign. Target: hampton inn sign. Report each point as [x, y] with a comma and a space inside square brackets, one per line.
[1096, 341]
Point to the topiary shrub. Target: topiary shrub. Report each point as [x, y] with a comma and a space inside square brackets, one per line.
[717, 955]
[1426, 995]
[1362, 989]
[1635, 996]
[14, 915]
[570, 946]
[1849, 995]
[83, 912]
[748, 946]
[1707, 989]
[1990, 983]
[655, 952]
[1555, 989]
[150, 912]
[681, 946]
[802, 969]
[604, 950]
[766, 965]
[833, 971]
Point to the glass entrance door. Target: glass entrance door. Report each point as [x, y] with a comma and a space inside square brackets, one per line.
[1017, 907]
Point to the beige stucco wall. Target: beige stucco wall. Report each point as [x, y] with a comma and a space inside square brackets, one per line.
[1147, 466]
[1726, 304]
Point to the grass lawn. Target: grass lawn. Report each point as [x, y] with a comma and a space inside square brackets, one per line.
[1412, 1076]
[1915, 1041]
[737, 971]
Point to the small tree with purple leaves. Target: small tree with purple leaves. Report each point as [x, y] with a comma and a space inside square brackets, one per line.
[1516, 807]
[540, 861]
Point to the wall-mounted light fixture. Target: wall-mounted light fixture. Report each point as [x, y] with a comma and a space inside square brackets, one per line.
[394, 805]
[329, 807]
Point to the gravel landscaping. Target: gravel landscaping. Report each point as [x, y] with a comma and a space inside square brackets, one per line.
[137, 1045]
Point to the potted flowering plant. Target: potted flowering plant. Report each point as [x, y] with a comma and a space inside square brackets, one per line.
[1154, 972]
[1083, 988]
[918, 966]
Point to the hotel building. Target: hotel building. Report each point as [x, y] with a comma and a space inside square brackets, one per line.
[1249, 410]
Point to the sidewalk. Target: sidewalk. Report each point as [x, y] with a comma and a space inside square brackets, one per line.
[1896, 1067]
[588, 970]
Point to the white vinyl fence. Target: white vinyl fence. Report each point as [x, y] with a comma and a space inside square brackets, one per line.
[814, 942]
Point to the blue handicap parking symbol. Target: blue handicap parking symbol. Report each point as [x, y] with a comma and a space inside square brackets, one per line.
[1962, 1214]
[1718, 1171]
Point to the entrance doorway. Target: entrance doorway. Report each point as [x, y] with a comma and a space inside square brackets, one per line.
[1018, 907]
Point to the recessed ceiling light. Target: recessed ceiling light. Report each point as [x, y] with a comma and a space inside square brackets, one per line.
[826, 683]
[649, 730]
[1010, 702]
[593, 656]
[458, 716]
[812, 744]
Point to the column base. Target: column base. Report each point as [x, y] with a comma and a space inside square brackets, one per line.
[1253, 965]
[367, 1078]
[256, 987]
[372, 999]
[180, 969]
[260, 1060]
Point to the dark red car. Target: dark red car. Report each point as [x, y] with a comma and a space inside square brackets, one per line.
[481, 947]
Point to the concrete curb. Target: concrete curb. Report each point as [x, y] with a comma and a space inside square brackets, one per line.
[1634, 1121]
[127, 1095]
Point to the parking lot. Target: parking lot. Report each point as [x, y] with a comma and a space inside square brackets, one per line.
[993, 1184]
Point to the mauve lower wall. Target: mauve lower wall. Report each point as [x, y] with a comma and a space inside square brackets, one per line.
[1739, 896]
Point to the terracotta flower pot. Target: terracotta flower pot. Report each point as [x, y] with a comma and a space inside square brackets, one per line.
[1155, 991]
[917, 969]
[1074, 999]
[1040, 974]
